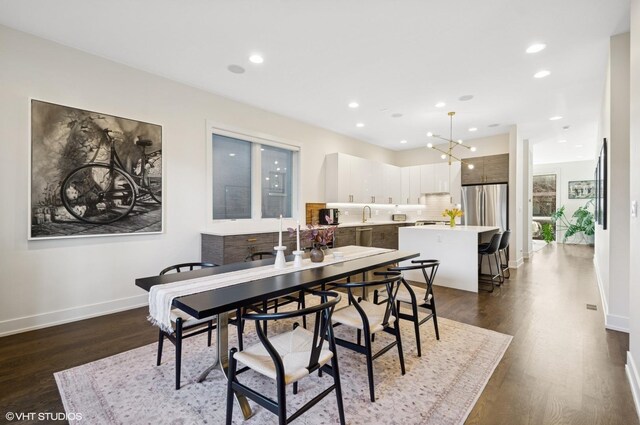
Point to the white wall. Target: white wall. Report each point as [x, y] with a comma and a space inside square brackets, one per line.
[492, 145]
[612, 244]
[47, 282]
[517, 194]
[566, 172]
[634, 229]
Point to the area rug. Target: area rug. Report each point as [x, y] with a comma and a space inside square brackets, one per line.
[441, 387]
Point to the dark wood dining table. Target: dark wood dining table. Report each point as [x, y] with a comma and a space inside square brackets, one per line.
[220, 302]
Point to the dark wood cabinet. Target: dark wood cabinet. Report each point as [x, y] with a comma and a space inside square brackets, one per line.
[228, 249]
[487, 169]
[344, 236]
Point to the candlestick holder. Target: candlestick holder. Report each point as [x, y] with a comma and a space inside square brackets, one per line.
[297, 259]
[280, 261]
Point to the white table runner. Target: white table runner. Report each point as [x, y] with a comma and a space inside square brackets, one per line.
[161, 296]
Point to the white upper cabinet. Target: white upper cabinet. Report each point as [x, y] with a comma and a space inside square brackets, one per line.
[410, 184]
[427, 179]
[391, 185]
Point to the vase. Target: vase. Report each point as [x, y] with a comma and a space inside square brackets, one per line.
[316, 255]
[452, 222]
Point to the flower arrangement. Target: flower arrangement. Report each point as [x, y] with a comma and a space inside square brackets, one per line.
[452, 213]
[317, 235]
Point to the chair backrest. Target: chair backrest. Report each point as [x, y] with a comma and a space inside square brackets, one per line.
[429, 269]
[183, 267]
[391, 282]
[504, 241]
[322, 327]
[259, 256]
[494, 244]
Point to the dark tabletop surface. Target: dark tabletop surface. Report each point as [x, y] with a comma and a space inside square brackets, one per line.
[211, 302]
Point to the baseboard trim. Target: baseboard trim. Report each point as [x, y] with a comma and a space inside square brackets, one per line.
[611, 321]
[60, 317]
[516, 264]
[634, 381]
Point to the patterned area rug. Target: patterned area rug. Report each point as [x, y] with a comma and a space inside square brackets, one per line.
[441, 387]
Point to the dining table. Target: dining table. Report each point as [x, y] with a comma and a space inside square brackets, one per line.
[221, 302]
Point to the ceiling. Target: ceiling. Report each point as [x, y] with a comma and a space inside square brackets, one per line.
[392, 57]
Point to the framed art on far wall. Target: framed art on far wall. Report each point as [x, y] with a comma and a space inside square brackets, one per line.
[582, 189]
[93, 174]
[601, 187]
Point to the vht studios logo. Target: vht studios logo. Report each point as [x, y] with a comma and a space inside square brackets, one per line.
[42, 416]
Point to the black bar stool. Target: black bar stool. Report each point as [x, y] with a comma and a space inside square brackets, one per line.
[503, 249]
[488, 250]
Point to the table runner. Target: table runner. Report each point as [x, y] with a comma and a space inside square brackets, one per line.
[161, 296]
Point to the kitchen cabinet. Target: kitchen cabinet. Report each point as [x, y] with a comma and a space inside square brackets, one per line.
[219, 249]
[344, 236]
[352, 179]
[410, 182]
[385, 236]
[487, 169]
[427, 179]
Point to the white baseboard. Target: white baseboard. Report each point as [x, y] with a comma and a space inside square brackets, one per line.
[634, 381]
[59, 317]
[516, 264]
[611, 321]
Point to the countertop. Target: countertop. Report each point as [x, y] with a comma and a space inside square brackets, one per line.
[457, 228]
[249, 231]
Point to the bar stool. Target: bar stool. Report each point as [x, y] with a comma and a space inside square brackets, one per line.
[488, 250]
[503, 249]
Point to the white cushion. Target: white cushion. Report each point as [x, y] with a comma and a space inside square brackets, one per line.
[404, 296]
[294, 348]
[375, 314]
[187, 320]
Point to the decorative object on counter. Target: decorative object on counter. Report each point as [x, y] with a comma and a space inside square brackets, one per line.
[297, 258]
[452, 213]
[316, 255]
[280, 260]
[582, 222]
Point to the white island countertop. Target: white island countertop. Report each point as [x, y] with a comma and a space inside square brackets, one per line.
[457, 228]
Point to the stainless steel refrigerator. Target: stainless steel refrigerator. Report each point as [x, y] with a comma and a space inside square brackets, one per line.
[486, 205]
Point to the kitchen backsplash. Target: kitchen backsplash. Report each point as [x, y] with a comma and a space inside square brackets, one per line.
[432, 210]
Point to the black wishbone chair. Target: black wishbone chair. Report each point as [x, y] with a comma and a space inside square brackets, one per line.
[184, 323]
[287, 366]
[369, 318]
[416, 296]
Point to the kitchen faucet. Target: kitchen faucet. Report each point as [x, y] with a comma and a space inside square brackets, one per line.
[364, 219]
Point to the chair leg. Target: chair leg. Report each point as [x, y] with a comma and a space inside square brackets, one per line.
[336, 382]
[435, 319]
[369, 355]
[295, 387]
[282, 401]
[178, 351]
[416, 325]
[240, 327]
[359, 336]
[209, 332]
[160, 342]
[232, 378]
[399, 343]
[302, 303]
[500, 272]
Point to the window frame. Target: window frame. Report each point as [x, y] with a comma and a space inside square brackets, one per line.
[256, 139]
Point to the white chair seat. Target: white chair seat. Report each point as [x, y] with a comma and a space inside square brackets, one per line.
[294, 348]
[187, 320]
[375, 314]
[405, 297]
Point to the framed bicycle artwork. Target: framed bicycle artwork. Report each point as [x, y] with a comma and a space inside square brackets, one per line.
[93, 174]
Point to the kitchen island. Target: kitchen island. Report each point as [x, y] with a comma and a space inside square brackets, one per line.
[455, 247]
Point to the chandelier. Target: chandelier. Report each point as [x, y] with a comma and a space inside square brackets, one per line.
[453, 144]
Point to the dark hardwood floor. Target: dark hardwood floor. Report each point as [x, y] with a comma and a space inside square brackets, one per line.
[562, 367]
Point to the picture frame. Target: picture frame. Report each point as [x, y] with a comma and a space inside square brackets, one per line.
[92, 174]
[604, 195]
[582, 189]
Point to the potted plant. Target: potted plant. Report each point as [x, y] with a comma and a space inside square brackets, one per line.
[318, 237]
[452, 214]
[582, 222]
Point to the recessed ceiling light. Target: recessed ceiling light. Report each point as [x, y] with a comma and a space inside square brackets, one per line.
[266, 178]
[353, 105]
[396, 115]
[535, 48]
[471, 166]
[556, 118]
[403, 141]
[255, 58]
[443, 156]
[429, 145]
[236, 69]
[262, 149]
[494, 125]
[440, 105]
[429, 134]
[232, 154]
[465, 98]
[278, 169]
[459, 141]
[562, 141]
[360, 125]
[473, 129]
[578, 146]
[542, 74]
[275, 162]
[473, 149]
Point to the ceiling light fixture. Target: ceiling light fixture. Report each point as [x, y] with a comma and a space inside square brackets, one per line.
[255, 58]
[535, 48]
[473, 129]
[440, 105]
[556, 118]
[562, 141]
[403, 141]
[429, 134]
[353, 105]
[448, 153]
[542, 74]
[360, 125]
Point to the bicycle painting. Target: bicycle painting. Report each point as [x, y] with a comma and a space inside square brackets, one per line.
[93, 174]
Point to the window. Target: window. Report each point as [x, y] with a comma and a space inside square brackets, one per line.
[544, 195]
[251, 177]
